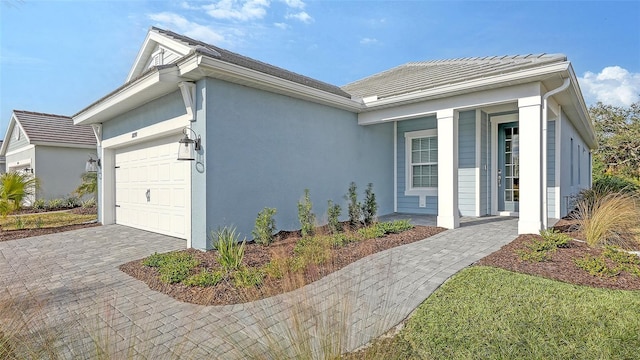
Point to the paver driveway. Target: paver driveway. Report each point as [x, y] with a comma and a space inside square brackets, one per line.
[70, 288]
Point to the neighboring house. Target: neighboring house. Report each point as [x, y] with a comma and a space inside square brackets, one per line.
[464, 137]
[51, 148]
[3, 162]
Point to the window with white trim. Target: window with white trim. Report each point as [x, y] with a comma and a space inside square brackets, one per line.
[421, 162]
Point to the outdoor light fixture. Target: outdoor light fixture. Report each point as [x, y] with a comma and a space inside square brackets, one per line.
[92, 165]
[188, 146]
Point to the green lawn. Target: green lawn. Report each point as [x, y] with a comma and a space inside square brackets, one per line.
[43, 220]
[489, 313]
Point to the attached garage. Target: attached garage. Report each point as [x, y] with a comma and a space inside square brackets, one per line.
[152, 187]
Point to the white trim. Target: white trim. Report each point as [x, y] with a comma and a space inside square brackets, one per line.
[478, 158]
[66, 145]
[495, 121]
[97, 132]
[558, 155]
[409, 189]
[188, 91]
[20, 163]
[152, 39]
[395, 166]
[150, 132]
[19, 150]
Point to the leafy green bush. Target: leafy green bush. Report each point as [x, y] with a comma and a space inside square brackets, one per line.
[342, 239]
[19, 223]
[155, 259]
[89, 203]
[265, 226]
[333, 214]
[39, 204]
[371, 232]
[15, 187]
[314, 249]
[555, 238]
[173, 267]
[230, 250]
[395, 227]
[55, 204]
[542, 250]
[595, 266]
[370, 206]
[248, 277]
[355, 208]
[72, 202]
[620, 257]
[305, 215]
[205, 278]
[276, 268]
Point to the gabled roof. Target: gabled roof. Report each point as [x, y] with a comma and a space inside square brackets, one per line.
[50, 129]
[417, 76]
[246, 62]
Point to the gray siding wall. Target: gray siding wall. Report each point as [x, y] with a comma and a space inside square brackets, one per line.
[409, 204]
[551, 169]
[59, 170]
[569, 190]
[263, 150]
[17, 144]
[485, 166]
[163, 108]
[467, 163]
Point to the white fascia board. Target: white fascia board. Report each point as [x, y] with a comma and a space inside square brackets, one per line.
[242, 75]
[517, 77]
[581, 108]
[64, 145]
[7, 135]
[473, 100]
[19, 150]
[153, 38]
[152, 86]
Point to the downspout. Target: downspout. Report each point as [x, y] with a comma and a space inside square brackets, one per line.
[545, 187]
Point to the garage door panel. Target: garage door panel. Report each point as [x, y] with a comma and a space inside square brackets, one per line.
[152, 166]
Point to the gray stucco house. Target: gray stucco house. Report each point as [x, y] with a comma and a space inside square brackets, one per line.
[51, 148]
[503, 135]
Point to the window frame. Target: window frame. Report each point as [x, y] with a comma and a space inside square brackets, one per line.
[410, 190]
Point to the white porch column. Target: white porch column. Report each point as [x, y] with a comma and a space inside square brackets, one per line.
[530, 123]
[448, 169]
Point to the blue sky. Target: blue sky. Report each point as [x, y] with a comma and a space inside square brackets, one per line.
[60, 56]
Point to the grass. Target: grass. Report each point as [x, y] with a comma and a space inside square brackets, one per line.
[43, 220]
[490, 313]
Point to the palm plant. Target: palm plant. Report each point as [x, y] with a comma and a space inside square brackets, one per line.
[15, 187]
[89, 184]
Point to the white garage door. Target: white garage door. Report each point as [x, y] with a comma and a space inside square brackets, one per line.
[152, 187]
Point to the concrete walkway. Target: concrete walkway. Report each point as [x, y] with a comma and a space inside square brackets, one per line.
[71, 292]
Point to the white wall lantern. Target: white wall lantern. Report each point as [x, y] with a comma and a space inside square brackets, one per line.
[187, 146]
[92, 165]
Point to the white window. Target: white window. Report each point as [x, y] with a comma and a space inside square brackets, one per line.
[421, 162]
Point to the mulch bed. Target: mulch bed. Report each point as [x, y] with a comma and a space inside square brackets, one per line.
[258, 255]
[561, 267]
[6, 235]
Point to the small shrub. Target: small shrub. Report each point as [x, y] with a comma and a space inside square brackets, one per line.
[89, 203]
[342, 239]
[71, 202]
[19, 223]
[555, 238]
[248, 277]
[265, 226]
[55, 204]
[39, 222]
[395, 227]
[305, 215]
[155, 259]
[620, 257]
[355, 209]
[595, 266]
[230, 249]
[333, 214]
[276, 268]
[314, 249]
[534, 256]
[370, 206]
[39, 204]
[204, 278]
[173, 267]
[371, 232]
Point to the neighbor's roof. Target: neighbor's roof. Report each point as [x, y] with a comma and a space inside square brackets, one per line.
[416, 76]
[246, 62]
[50, 128]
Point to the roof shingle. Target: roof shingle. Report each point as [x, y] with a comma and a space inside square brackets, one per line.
[416, 76]
[52, 128]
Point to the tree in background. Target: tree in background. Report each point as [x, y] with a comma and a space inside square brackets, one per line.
[618, 133]
[89, 185]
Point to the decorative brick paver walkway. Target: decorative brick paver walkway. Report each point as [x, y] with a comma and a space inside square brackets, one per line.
[70, 290]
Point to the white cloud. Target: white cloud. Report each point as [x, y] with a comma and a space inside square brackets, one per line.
[183, 26]
[368, 41]
[282, 26]
[237, 10]
[295, 4]
[301, 16]
[614, 85]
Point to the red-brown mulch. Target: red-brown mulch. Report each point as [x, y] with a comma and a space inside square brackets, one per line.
[258, 255]
[561, 267]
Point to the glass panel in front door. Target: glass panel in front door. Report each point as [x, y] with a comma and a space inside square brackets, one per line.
[511, 169]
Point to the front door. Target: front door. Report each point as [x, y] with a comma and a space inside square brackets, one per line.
[508, 167]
